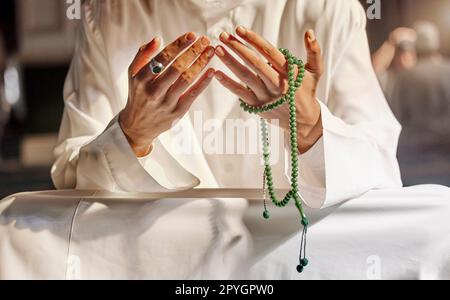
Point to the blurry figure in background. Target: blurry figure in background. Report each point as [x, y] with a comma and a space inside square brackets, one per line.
[421, 102]
[396, 54]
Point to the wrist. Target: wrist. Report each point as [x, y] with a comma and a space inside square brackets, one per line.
[310, 128]
[140, 149]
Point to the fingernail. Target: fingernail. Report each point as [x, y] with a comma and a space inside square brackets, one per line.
[241, 30]
[205, 41]
[311, 35]
[219, 76]
[190, 37]
[210, 52]
[224, 36]
[220, 52]
[211, 73]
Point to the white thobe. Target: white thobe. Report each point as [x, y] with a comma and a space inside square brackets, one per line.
[357, 152]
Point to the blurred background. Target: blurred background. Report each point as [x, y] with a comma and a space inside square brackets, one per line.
[37, 40]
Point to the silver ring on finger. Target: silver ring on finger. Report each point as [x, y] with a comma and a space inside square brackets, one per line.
[155, 67]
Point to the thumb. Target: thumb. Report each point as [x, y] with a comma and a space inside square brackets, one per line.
[314, 64]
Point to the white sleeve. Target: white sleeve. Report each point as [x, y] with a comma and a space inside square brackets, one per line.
[357, 152]
[92, 154]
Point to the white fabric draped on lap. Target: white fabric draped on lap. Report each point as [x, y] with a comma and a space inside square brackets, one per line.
[391, 234]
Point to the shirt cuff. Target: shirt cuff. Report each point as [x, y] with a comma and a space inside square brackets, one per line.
[157, 172]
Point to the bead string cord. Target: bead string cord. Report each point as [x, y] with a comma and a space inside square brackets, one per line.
[268, 184]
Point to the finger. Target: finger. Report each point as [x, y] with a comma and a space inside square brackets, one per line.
[188, 77]
[143, 56]
[186, 100]
[315, 63]
[168, 54]
[181, 64]
[236, 88]
[270, 77]
[270, 52]
[243, 73]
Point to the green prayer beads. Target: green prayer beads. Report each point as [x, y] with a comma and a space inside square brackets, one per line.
[293, 194]
[289, 98]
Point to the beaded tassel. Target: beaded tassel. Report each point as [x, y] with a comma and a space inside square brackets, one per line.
[293, 194]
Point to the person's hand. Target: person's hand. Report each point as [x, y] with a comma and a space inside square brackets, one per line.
[155, 103]
[401, 34]
[267, 83]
